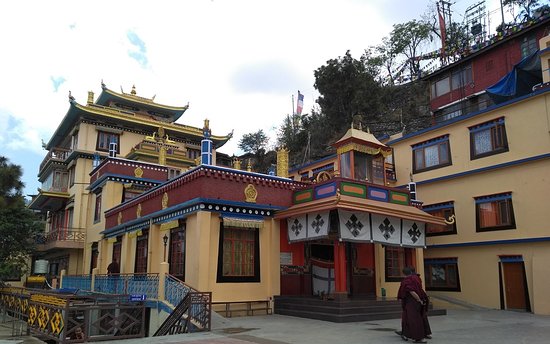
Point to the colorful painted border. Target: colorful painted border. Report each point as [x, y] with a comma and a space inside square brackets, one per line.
[353, 189]
[399, 198]
[303, 196]
[325, 190]
[378, 194]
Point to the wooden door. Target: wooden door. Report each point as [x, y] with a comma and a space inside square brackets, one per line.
[514, 285]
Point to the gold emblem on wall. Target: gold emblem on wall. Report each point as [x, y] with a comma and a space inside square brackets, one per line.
[250, 193]
[119, 218]
[165, 201]
[138, 172]
[138, 210]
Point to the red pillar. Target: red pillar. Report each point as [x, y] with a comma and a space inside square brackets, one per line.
[340, 279]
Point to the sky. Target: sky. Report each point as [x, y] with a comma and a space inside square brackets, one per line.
[237, 63]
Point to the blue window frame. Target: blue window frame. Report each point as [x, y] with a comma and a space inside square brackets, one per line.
[488, 138]
[495, 212]
[445, 210]
[442, 274]
[431, 154]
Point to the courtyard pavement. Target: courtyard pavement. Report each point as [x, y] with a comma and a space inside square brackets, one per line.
[458, 326]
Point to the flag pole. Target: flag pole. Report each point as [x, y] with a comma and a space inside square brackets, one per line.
[293, 113]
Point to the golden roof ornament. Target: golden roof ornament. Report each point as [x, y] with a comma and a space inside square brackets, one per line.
[165, 201]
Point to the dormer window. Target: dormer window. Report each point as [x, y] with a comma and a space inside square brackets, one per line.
[361, 157]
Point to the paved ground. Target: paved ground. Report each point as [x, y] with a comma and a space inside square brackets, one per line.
[459, 326]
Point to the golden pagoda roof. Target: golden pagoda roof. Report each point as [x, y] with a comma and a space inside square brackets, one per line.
[92, 111]
[359, 135]
[172, 113]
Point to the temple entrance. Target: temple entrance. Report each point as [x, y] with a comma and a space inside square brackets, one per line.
[321, 258]
[359, 268]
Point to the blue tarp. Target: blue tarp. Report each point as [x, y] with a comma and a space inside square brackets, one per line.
[520, 81]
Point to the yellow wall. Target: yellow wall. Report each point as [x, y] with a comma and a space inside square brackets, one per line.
[527, 127]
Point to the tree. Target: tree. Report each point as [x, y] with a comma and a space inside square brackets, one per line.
[526, 6]
[347, 87]
[406, 39]
[19, 226]
[255, 144]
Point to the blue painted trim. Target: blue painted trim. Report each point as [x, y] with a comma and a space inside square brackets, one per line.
[124, 178]
[446, 205]
[468, 116]
[486, 125]
[493, 198]
[184, 209]
[484, 169]
[431, 142]
[492, 242]
[514, 259]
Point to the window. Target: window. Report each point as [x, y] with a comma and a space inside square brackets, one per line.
[441, 274]
[461, 78]
[94, 256]
[176, 257]
[494, 212]
[487, 139]
[173, 172]
[345, 165]
[528, 46]
[441, 87]
[369, 168]
[130, 194]
[239, 255]
[396, 258]
[431, 154]
[141, 253]
[445, 210]
[105, 138]
[71, 176]
[117, 250]
[97, 211]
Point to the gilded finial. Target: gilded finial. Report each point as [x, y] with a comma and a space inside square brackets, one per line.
[236, 163]
[206, 123]
[249, 165]
[90, 97]
[133, 90]
[368, 130]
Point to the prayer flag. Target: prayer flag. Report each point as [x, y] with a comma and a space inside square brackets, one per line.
[300, 105]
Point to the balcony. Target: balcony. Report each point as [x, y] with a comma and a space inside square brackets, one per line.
[50, 199]
[62, 238]
[56, 154]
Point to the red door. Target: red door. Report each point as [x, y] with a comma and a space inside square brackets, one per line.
[514, 285]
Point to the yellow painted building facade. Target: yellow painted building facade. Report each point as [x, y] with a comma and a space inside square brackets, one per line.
[490, 170]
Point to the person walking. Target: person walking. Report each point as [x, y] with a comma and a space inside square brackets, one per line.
[413, 300]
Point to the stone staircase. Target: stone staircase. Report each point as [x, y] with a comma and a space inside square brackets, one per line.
[342, 311]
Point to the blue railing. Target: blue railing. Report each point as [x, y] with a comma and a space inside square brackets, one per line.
[133, 284]
[81, 282]
[175, 290]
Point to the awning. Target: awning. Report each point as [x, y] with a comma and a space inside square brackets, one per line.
[243, 221]
[359, 220]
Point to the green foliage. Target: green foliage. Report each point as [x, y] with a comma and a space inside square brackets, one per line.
[254, 142]
[348, 87]
[406, 39]
[527, 7]
[19, 226]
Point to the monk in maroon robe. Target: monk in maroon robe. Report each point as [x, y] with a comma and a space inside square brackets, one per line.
[412, 319]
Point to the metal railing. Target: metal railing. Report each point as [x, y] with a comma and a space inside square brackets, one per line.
[77, 282]
[70, 318]
[57, 154]
[129, 284]
[64, 234]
